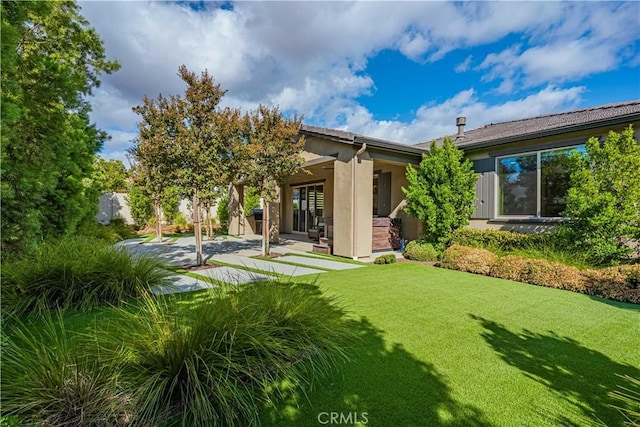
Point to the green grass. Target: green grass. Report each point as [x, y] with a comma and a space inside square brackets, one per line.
[442, 347]
[331, 257]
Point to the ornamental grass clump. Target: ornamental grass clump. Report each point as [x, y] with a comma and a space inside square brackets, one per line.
[77, 273]
[218, 360]
[51, 377]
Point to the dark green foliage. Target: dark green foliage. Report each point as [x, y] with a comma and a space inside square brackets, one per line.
[219, 360]
[141, 206]
[500, 240]
[418, 250]
[51, 59]
[385, 259]
[50, 377]
[75, 272]
[441, 192]
[170, 204]
[603, 203]
[114, 232]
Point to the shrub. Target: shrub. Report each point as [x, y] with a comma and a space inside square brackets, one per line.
[441, 192]
[472, 260]
[500, 240]
[554, 275]
[75, 272]
[219, 360]
[511, 267]
[602, 202]
[420, 251]
[385, 259]
[49, 379]
[618, 283]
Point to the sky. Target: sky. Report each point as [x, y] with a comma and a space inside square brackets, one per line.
[400, 71]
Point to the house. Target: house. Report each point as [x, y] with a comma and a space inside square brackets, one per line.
[351, 192]
[522, 163]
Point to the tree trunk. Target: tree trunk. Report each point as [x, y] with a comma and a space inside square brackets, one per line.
[266, 229]
[158, 220]
[207, 219]
[197, 226]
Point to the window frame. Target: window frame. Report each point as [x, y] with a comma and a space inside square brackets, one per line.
[537, 216]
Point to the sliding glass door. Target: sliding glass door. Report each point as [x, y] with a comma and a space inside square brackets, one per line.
[308, 207]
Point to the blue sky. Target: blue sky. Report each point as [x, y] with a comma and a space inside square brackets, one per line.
[401, 71]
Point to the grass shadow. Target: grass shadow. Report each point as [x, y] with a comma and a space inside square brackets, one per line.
[382, 385]
[580, 375]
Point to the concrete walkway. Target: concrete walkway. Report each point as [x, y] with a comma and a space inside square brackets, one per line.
[266, 266]
[235, 252]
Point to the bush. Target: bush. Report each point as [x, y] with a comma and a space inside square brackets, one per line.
[218, 361]
[500, 240]
[511, 267]
[75, 272]
[49, 379]
[618, 283]
[441, 192]
[420, 251]
[602, 202]
[472, 260]
[385, 259]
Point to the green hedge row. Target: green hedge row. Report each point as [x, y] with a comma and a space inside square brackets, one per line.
[620, 283]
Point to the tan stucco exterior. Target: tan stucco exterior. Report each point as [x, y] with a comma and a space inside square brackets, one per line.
[346, 172]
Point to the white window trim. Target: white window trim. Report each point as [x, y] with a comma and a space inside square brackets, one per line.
[496, 182]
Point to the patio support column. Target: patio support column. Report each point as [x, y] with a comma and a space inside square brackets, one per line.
[236, 210]
[353, 206]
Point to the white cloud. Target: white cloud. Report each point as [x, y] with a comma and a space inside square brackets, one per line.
[311, 57]
[433, 121]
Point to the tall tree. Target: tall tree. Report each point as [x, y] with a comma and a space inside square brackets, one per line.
[190, 142]
[441, 192]
[51, 60]
[271, 153]
[155, 151]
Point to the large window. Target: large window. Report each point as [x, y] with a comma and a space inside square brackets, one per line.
[534, 184]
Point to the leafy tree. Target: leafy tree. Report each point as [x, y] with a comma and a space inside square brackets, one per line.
[603, 202]
[271, 153]
[51, 60]
[223, 213]
[188, 142]
[109, 175]
[441, 192]
[154, 152]
[140, 205]
[170, 203]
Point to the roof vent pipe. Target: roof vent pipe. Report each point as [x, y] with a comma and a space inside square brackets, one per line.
[460, 122]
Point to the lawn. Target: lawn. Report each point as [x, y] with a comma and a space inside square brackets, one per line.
[441, 347]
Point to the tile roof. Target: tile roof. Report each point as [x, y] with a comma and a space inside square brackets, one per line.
[545, 125]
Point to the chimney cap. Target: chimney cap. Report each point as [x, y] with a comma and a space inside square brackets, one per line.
[461, 121]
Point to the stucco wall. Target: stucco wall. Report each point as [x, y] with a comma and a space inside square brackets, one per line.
[113, 205]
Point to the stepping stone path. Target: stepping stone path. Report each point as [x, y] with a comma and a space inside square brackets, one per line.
[266, 266]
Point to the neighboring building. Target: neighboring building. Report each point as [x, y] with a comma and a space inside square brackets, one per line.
[353, 191]
[115, 205]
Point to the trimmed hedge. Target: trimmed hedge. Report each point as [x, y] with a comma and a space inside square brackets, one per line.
[620, 283]
[420, 251]
[504, 240]
[471, 260]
